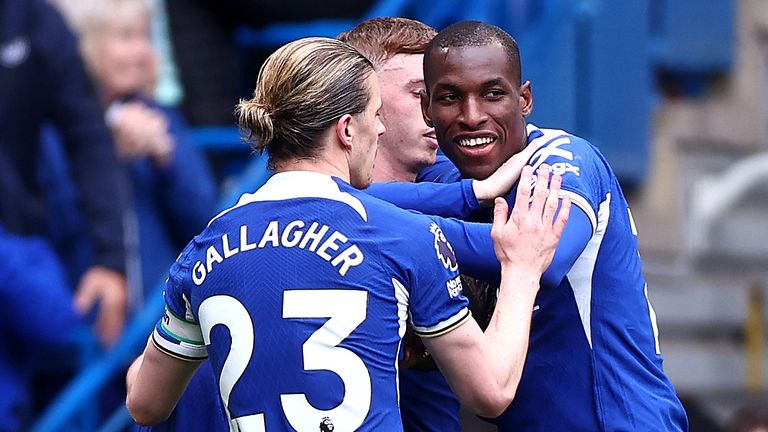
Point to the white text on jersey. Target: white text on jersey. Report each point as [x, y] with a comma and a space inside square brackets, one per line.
[315, 239]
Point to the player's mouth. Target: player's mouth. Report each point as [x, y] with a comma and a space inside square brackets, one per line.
[475, 145]
[431, 140]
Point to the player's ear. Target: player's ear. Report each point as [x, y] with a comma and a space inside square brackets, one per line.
[526, 99]
[344, 130]
[425, 108]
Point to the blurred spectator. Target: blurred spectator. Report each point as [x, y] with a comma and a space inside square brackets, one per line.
[173, 191]
[752, 418]
[42, 80]
[35, 314]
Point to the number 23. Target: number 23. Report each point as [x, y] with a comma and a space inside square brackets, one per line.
[345, 309]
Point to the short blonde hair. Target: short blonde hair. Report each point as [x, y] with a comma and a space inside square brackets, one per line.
[380, 39]
[302, 89]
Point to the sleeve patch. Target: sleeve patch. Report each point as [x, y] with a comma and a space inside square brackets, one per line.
[444, 250]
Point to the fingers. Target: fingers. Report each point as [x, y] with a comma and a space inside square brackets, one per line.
[500, 212]
[524, 190]
[85, 298]
[552, 199]
[109, 324]
[109, 289]
[562, 216]
[540, 190]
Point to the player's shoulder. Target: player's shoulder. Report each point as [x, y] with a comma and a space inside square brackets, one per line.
[560, 139]
[181, 268]
[396, 220]
[566, 153]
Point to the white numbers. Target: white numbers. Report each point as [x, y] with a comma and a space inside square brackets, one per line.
[345, 309]
[228, 311]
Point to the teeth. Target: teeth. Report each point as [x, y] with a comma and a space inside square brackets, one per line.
[472, 142]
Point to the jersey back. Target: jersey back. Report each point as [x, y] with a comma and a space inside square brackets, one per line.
[299, 295]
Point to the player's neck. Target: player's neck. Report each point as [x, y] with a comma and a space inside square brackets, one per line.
[386, 171]
[317, 165]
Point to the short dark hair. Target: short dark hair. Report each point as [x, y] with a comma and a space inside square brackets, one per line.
[474, 33]
[380, 39]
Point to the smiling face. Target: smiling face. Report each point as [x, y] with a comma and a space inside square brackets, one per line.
[477, 107]
[409, 145]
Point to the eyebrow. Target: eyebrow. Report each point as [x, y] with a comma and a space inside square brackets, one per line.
[445, 86]
[492, 82]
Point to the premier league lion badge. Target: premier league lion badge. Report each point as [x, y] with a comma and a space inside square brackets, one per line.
[444, 249]
[326, 425]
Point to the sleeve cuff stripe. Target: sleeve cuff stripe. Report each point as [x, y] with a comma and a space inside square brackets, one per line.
[179, 349]
[182, 329]
[584, 205]
[175, 354]
[444, 326]
[181, 338]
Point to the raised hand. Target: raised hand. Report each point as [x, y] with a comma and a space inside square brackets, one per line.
[526, 239]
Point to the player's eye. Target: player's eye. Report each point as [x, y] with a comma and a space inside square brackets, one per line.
[447, 98]
[494, 94]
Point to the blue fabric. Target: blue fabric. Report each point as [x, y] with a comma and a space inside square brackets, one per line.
[302, 282]
[171, 203]
[42, 79]
[35, 313]
[593, 351]
[199, 408]
[447, 200]
[427, 403]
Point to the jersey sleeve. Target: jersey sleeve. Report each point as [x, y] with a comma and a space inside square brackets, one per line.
[437, 304]
[584, 177]
[448, 200]
[473, 246]
[442, 171]
[577, 163]
[178, 332]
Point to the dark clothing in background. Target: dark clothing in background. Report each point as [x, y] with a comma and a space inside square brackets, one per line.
[214, 73]
[42, 79]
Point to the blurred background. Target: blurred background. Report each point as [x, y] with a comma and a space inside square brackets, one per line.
[673, 92]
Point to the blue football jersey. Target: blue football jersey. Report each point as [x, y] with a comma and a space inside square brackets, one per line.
[593, 362]
[594, 353]
[299, 296]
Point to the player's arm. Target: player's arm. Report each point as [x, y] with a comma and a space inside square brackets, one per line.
[580, 172]
[575, 237]
[485, 369]
[441, 199]
[473, 246]
[157, 379]
[461, 199]
[155, 382]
